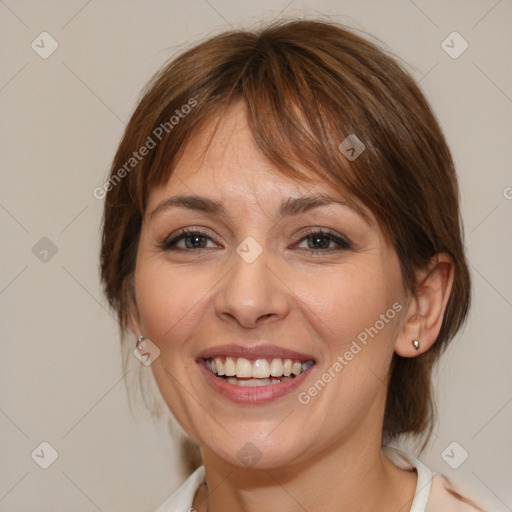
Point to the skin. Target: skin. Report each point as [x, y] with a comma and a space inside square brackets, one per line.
[192, 299]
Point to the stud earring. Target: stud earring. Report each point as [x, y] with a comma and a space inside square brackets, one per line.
[416, 344]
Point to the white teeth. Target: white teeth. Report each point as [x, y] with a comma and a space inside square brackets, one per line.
[220, 366]
[229, 367]
[243, 368]
[252, 383]
[296, 367]
[261, 369]
[276, 368]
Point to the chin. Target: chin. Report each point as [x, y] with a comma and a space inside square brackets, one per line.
[251, 449]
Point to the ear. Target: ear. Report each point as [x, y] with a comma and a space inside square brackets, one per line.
[425, 310]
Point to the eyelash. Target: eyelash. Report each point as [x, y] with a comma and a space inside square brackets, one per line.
[343, 243]
[169, 243]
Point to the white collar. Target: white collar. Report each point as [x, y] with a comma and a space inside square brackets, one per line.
[407, 462]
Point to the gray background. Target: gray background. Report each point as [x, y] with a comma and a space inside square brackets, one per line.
[61, 119]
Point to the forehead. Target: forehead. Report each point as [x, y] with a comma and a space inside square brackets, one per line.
[221, 158]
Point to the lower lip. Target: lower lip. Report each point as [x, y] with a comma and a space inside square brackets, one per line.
[251, 395]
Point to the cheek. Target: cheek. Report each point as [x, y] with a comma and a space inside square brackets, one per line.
[169, 300]
[354, 313]
[349, 302]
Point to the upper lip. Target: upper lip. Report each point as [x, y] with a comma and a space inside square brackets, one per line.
[254, 352]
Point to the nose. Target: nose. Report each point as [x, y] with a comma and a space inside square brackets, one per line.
[253, 293]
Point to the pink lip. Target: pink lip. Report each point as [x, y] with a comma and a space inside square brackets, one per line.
[252, 396]
[254, 352]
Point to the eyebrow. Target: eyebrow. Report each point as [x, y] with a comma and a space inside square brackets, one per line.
[290, 206]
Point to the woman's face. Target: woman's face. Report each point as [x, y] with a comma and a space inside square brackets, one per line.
[265, 282]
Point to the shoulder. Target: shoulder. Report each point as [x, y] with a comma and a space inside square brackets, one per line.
[434, 491]
[183, 497]
[445, 495]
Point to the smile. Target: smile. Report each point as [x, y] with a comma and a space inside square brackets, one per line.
[254, 374]
[240, 371]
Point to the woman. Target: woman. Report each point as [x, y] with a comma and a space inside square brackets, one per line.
[282, 239]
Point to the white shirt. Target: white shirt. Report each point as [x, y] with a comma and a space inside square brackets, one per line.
[434, 493]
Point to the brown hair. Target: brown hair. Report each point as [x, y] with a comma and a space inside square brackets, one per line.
[306, 85]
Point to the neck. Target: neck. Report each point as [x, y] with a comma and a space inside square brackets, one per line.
[359, 478]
